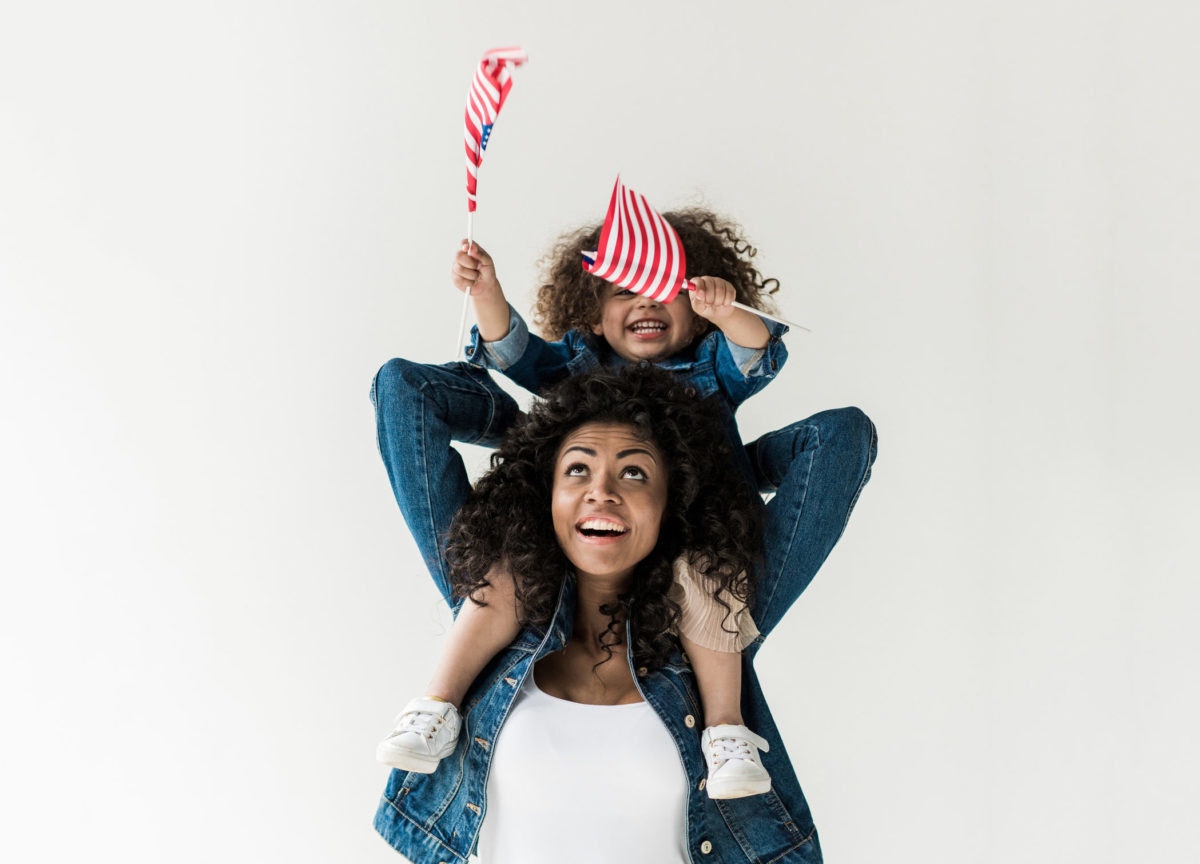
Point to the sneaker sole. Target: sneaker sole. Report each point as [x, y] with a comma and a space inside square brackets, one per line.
[406, 761]
[737, 790]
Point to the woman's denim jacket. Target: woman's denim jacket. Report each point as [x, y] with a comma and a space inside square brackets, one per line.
[432, 818]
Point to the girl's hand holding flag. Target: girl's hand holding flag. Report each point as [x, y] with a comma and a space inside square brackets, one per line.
[474, 273]
[715, 299]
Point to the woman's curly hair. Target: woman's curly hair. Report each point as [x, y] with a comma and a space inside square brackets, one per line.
[570, 298]
[711, 517]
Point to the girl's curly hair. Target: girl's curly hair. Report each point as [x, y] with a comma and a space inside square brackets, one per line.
[712, 517]
[570, 298]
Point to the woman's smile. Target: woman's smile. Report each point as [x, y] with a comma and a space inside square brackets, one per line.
[601, 529]
[607, 501]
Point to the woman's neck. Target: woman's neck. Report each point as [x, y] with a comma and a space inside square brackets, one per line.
[593, 626]
[584, 671]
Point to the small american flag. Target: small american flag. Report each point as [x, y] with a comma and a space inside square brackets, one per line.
[639, 250]
[489, 89]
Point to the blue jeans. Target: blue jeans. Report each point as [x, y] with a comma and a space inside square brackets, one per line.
[419, 410]
[815, 469]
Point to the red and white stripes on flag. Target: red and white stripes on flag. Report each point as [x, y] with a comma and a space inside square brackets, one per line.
[639, 250]
[489, 89]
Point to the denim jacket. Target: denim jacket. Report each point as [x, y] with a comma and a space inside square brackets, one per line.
[713, 365]
[435, 818]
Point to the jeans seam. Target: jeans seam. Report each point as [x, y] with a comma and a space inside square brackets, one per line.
[437, 541]
[862, 482]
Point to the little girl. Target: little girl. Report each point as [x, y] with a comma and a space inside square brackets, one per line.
[721, 351]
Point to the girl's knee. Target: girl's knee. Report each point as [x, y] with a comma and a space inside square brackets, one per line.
[845, 435]
[397, 377]
[850, 430]
[853, 423]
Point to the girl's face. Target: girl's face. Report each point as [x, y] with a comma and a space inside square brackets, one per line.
[638, 328]
[607, 500]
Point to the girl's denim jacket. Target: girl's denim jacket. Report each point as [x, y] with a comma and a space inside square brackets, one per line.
[714, 365]
[434, 818]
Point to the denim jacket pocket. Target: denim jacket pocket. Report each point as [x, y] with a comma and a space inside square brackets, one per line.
[765, 830]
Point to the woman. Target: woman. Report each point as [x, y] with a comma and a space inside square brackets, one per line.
[581, 740]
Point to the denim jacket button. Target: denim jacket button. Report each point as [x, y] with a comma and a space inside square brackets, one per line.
[705, 847]
[703, 783]
[642, 671]
[689, 721]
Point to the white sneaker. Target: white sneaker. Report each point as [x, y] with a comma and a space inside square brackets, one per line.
[424, 733]
[734, 769]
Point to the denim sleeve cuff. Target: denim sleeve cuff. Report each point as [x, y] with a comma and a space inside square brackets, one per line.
[745, 358]
[504, 352]
[749, 361]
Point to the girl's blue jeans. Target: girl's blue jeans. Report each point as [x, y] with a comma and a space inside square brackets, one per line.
[814, 470]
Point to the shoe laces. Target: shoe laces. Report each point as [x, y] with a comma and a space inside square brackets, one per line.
[423, 723]
[724, 749]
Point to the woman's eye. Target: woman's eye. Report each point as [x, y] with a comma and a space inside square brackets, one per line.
[625, 293]
[578, 469]
[634, 473]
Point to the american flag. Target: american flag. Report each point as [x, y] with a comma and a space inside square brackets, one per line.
[639, 250]
[489, 89]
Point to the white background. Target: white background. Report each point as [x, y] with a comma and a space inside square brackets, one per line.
[218, 219]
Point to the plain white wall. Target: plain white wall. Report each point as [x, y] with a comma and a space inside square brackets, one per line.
[217, 220]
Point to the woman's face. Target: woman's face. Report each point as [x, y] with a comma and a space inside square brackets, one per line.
[607, 501]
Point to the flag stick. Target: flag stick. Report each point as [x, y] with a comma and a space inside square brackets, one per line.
[462, 319]
[736, 304]
[769, 315]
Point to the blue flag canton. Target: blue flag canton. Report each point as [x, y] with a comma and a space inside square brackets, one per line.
[483, 137]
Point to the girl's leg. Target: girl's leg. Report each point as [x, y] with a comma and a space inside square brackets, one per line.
[712, 633]
[735, 769]
[478, 634]
[816, 469]
[719, 678]
[426, 731]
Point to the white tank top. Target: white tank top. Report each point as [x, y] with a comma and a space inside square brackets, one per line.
[589, 784]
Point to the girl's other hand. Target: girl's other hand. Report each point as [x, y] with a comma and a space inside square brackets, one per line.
[712, 298]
